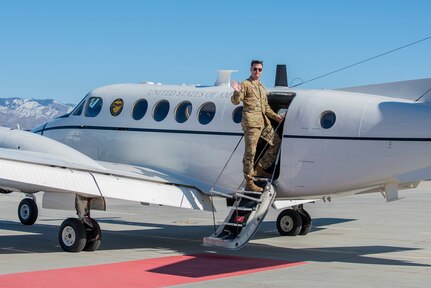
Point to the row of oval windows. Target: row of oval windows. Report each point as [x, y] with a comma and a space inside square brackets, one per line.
[206, 111]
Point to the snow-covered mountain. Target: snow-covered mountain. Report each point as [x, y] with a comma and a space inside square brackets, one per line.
[29, 113]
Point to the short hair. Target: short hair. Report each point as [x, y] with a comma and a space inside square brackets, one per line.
[253, 62]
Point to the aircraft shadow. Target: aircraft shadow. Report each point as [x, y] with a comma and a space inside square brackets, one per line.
[187, 239]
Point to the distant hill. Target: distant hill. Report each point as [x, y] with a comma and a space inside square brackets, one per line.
[29, 113]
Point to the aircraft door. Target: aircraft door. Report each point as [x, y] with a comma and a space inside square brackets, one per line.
[279, 103]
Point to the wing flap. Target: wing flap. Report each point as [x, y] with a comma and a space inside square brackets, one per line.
[152, 192]
[32, 177]
[30, 172]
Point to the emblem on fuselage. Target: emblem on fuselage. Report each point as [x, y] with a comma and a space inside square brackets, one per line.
[116, 107]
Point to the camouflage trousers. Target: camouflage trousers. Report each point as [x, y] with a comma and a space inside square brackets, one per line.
[251, 137]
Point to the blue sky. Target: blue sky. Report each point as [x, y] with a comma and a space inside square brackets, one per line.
[63, 49]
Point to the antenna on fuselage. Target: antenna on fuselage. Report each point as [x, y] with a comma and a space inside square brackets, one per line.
[281, 76]
[223, 77]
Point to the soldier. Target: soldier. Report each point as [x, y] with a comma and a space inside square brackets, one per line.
[255, 124]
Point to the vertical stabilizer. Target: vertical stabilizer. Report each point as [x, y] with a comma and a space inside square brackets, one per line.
[223, 77]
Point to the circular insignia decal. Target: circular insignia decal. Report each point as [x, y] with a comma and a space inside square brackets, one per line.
[117, 107]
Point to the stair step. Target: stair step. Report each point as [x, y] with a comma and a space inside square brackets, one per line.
[261, 179]
[239, 208]
[248, 197]
[242, 190]
[233, 224]
[237, 229]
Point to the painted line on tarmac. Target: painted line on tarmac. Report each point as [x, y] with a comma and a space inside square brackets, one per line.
[153, 237]
[398, 257]
[5, 232]
[337, 228]
[15, 250]
[154, 272]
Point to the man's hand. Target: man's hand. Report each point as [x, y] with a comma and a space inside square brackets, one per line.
[236, 86]
[279, 118]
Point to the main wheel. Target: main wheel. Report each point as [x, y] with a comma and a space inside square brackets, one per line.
[306, 222]
[94, 236]
[72, 235]
[289, 223]
[27, 211]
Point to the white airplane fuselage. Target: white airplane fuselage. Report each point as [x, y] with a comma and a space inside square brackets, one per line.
[373, 140]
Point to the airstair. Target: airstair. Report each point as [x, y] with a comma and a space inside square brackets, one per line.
[244, 218]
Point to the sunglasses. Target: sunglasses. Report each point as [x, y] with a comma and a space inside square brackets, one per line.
[257, 69]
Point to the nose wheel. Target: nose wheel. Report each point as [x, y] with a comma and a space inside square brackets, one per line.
[291, 222]
[27, 211]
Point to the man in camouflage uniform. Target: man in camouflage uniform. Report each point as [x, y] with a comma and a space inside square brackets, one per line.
[255, 124]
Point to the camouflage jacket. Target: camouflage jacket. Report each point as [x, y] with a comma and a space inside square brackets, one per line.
[256, 108]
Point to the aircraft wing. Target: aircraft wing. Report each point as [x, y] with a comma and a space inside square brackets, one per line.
[34, 171]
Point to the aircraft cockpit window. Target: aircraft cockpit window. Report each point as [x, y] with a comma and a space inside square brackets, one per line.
[237, 115]
[161, 110]
[327, 119]
[183, 111]
[94, 106]
[206, 113]
[140, 109]
[78, 110]
[116, 107]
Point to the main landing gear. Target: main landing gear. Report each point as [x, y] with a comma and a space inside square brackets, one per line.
[82, 233]
[292, 222]
[27, 210]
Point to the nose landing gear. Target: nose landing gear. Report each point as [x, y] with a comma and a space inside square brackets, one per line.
[293, 222]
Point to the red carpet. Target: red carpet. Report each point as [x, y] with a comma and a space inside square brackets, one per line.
[156, 272]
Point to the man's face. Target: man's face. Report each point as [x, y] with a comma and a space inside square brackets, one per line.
[256, 71]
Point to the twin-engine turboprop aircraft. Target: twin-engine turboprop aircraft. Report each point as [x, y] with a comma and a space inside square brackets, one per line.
[177, 145]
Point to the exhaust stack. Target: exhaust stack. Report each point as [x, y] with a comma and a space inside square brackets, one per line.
[281, 76]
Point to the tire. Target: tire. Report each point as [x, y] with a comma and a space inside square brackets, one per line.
[289, 223]
[94, 236]
[72, 235]
[27, 211]
[306, 222]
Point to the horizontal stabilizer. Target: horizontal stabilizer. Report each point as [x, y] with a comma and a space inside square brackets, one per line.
[415, 90]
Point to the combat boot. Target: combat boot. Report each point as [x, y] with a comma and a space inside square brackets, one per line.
[250, 186]
[260, 172]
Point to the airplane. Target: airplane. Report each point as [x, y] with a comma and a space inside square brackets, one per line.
[181, 145]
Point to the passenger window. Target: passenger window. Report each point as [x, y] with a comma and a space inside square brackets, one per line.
[116, 107]
[161, 110]
[237, 115]
[183, 111]
[140, 109]
[78, 110]
[94, 106]
[206, 113]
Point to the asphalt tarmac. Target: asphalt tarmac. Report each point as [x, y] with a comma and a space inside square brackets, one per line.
[357, 241]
